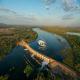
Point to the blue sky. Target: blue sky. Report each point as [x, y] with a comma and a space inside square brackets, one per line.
[39, 12]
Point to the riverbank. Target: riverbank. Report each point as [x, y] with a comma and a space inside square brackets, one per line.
[73, 57]
[9, 36]
[61, 30]
[54, 45]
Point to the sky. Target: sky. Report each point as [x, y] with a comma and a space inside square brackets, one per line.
[40, 12]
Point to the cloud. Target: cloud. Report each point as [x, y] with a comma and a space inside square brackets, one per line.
[70, 5]
[12, 17]
[14, 14]
[67, 5]
[7, 10]
[47, 3]
[68, 17]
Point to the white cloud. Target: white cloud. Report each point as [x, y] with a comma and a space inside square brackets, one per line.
[70, 5]
[11, 17]
[47, 3]
[68, 17]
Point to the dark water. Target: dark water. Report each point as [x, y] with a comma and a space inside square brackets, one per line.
[55, 44]
[15, 60]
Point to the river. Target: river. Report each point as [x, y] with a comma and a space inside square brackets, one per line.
[54, 45]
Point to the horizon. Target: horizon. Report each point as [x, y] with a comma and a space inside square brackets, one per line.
[40, 12]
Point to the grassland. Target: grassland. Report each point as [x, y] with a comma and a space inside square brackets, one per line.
[61, 30]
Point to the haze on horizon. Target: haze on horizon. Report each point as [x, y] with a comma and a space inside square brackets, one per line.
[40, 12]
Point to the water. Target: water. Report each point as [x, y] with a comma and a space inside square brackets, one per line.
[54, 44]
[15, 60]
[73, 34]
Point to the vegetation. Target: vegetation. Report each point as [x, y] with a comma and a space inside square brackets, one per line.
[72, 59]
[9, 37]
[75, 45]
[68, 60]
[61, 30]
[28, 70]
[5, 77]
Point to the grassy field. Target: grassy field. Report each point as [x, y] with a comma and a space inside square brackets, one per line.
[61, 30]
